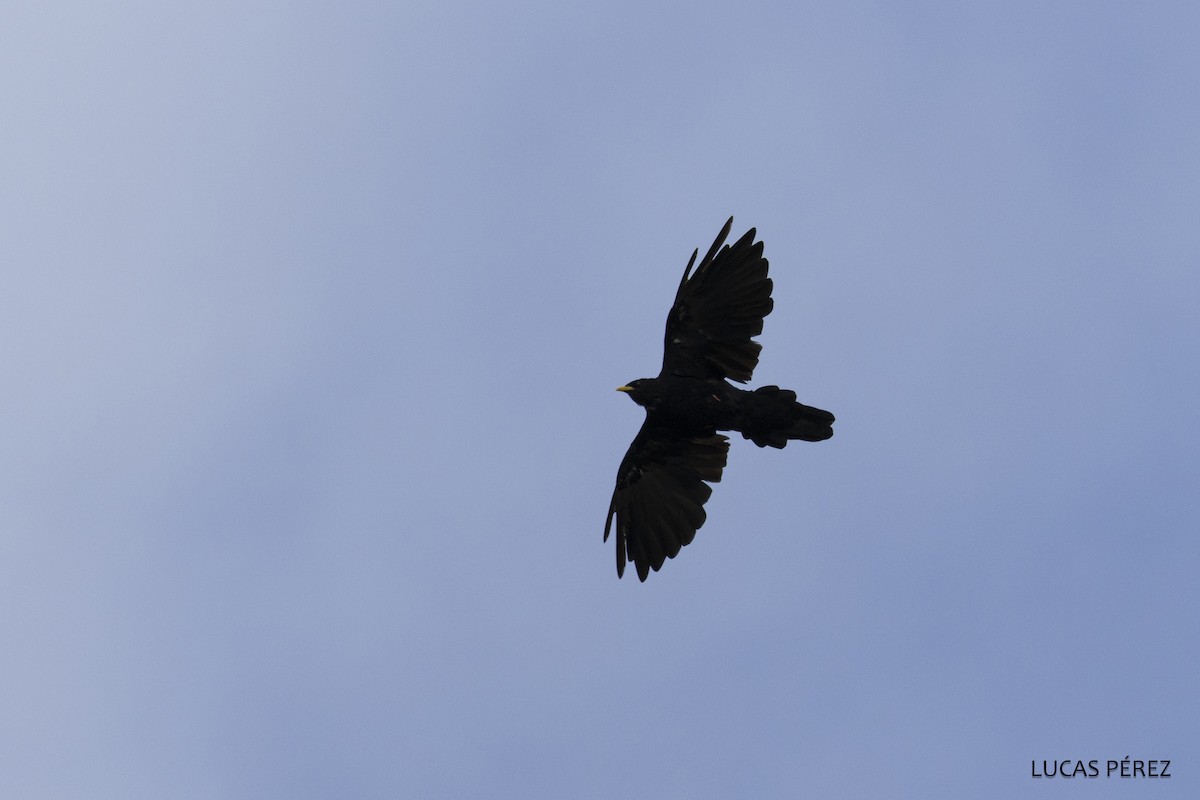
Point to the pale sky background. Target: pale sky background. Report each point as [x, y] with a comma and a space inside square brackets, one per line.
[311, 316]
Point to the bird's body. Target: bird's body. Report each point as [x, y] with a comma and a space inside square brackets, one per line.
[686, 405]
[658, 503]
[769, 416]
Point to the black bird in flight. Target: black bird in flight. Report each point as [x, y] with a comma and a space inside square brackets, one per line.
[659, 501]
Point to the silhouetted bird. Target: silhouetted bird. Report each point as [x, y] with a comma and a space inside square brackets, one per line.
[659, 500]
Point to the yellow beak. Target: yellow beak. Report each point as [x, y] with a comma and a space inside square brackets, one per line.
[624, 388]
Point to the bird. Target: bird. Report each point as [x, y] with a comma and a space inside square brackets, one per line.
[663, 480]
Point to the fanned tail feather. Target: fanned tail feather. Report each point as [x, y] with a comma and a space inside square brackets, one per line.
[771, 417]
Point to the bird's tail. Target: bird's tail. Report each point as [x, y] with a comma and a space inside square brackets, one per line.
[771, 416]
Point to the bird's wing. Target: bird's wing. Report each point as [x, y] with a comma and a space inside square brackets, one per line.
[717, 310]
[659, 500]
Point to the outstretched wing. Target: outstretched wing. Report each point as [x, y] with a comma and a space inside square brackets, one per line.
[718, 309]
[659, 500]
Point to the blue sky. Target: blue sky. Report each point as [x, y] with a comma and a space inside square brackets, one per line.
[312, 316]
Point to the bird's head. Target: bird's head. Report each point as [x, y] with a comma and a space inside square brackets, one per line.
[640, 391]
